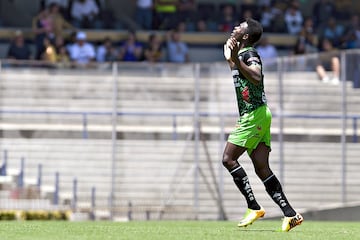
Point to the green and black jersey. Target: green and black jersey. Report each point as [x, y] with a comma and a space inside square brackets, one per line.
[249, 96]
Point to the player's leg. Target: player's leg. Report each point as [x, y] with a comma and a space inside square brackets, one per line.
[260, 159]
[230, 160]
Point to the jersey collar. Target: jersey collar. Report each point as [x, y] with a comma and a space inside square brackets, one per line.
[245, 49]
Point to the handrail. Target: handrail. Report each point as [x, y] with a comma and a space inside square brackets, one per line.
[174, 115]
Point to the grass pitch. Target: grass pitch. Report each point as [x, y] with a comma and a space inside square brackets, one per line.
[174, 230]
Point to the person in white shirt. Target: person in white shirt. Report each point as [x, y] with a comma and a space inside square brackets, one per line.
[84, 13]
[82, 53]
[293, 19]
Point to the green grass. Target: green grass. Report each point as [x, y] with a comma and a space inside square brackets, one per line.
[174, 230]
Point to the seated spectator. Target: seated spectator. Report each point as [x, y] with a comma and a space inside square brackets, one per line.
[352, 33]
[293, 19]
[267, 52]
[131, 50]
[42, 26]
[228, 19]
[85, 13]
[333, 32]
[144, 14]
[18, 49]
[186, 10]
[62, 54]
[322, 11]
[201, 26]
[106, 52]
[63, 58]
[165, 14]
[82, 53]
[246, 14]
[58, 21]
[272, 18]
[178, 51]
[307, 37]
[49, 55]
[153, 51]
[328, 61]
[266, 18]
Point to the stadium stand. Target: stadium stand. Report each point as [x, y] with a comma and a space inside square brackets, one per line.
[36, 125]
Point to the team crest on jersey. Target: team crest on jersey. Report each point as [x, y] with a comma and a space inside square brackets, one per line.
[245, 94]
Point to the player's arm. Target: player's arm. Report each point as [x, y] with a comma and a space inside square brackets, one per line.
[251, 72]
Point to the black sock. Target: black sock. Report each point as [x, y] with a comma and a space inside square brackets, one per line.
[242, 182]
[274, 189]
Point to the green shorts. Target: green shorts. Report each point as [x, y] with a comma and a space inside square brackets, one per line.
[252, 129]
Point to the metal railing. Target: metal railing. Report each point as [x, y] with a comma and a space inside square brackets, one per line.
[174, 115]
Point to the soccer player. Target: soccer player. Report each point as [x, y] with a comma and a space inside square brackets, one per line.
[252, 131]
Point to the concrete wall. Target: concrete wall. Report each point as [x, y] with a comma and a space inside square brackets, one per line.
[345, 213]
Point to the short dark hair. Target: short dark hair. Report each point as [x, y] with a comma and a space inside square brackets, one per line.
[254, 30]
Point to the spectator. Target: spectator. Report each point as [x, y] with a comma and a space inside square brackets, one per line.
[131, 50]
[49, 55]
[293, 19]
[307, 37]
[272, 18]
[58, 21]
[328, 61]
[228, 19]
[82, 53]
[165, 14]
[333, 32]
[186, 10]
[201, 26]
[18, 49]
[322, 11]
[63, 6]
[153, 51]
[144, 14]
[106, 52]
[62, 55]
[63, 58]
[85, 13]
[267, 18]
[267, 52]
[42, 26]
[352, 33]
[247, 14]
[177, 50]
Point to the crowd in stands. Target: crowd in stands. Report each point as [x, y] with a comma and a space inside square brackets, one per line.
[175, 17]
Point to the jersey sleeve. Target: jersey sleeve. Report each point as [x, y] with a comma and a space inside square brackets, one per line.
[251, 58]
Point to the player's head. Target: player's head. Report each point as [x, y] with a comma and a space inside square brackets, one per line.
[249, 31]
[254, 30]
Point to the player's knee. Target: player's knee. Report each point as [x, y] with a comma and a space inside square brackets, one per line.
[227, 161]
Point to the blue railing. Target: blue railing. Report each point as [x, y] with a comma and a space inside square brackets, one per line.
[175, 115]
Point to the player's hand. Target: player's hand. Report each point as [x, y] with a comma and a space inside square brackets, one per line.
[231, 49]
[227, 52]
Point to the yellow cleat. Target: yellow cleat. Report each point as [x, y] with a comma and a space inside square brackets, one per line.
[291, 222]
[251, 216]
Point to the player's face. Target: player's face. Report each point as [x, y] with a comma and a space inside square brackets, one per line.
[240, 31]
